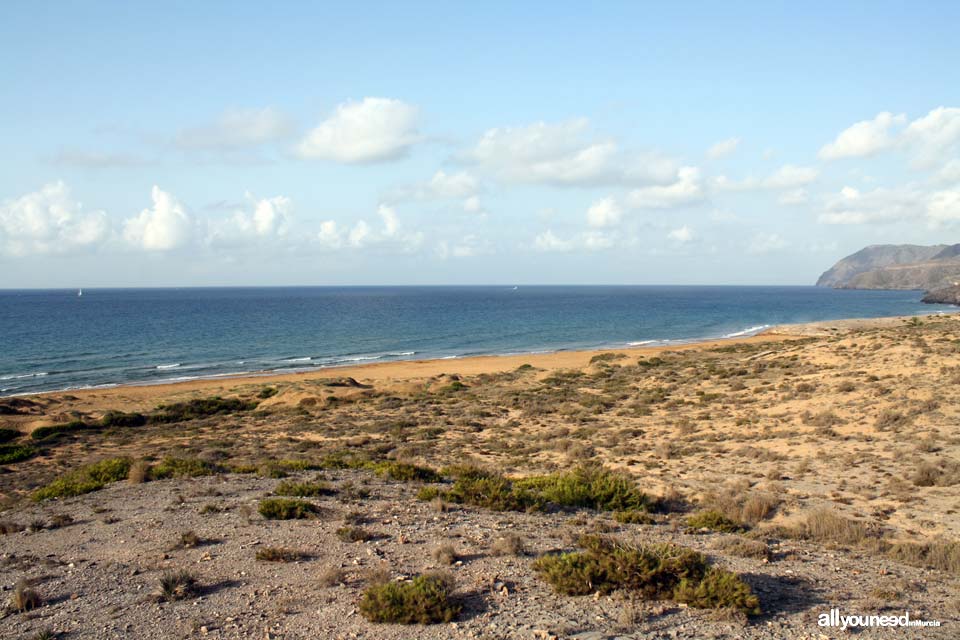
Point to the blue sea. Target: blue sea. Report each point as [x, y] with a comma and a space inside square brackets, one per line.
[54, 340]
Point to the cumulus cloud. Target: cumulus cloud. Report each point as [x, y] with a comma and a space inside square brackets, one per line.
[685, 190]
[786, 177]
[681, 235]
[263, 219]
[934, 137]
[604, 213]
[49, 221]
[863, 138]
[236, 129]
[723, 148]
[473, 205]
[164, 226]
[564, 154]
[549, 241]
[927, 140]
[363, 234]
[892, 205]
[369, 131]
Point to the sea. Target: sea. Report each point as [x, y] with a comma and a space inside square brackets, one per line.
[59, 340]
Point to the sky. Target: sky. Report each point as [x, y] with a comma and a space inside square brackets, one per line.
[246, 143]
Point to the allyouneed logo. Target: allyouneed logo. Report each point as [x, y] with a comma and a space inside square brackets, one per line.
[835, 619]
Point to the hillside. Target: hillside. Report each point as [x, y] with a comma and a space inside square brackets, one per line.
[891, 266]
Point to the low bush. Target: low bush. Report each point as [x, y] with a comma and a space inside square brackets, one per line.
[10, 453]
[121, 419]
[173, 467]
[177, 585]
[656, 572]
[279, 554]
[199, 408]
[287, 509]
[85, 479]
[714, 521]
[303, 489]
[355, 534]
[424, 600]
[44, 433]
[405, 472]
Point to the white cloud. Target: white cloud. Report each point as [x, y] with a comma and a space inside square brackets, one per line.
[49, 221]
[682, 234]
[863, 138]
[164, 226]
[892, 205]
[235, 129]
[604, 213]
[723, 148]
[686, 190]
[786, 177]
[266, 218]
[548, 241]
[391, 223]
[796, 196]
[588, 240]
[330, 235]
[934, 137]
[949, 173]
[442, 186]
[766, 243]
[368, 131]
[473, 205]
[468, 247]
[359, 234]
[564, 154]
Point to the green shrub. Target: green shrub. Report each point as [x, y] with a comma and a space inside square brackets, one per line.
[200, 408]
[588, 486]
[715, 521]
[267, 392]
[405, 472]
[491, 492]
[10, 453]
[287, 509]
[424, 600]
[42, 433]
[6, 435]
[121, 419]
[633, 517]
[718, 589]
[173, 467]
[355, 534]
[657, 571]
[86, 479]
[428, 493]
[303, 489]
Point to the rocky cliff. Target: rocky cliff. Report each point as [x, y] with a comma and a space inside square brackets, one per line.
[905, 266]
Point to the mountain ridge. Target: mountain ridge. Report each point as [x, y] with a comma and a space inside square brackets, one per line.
[896, 266]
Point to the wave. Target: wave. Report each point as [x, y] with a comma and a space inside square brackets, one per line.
[304, 359]
[21, 376]
[749, 331]
[168, 366]
[640, 343]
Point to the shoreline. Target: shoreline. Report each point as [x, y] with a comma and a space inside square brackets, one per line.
[397, 370]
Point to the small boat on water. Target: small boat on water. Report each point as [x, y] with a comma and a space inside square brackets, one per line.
[79, 293]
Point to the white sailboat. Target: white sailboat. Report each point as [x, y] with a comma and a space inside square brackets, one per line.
[79, 293]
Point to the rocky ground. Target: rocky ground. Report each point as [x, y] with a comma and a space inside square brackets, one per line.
[98, 575]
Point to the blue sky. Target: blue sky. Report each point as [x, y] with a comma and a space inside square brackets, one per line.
[408, 143]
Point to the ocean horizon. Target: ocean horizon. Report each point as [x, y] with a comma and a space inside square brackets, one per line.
[57, 340]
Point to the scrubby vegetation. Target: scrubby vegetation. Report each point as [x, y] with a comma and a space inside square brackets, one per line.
[200, 408]
[287, 509]
[279, 554]
[303, 489]
[10, 453]
[424, 600]
[713, 520]
[85, 479]
[657, 572]
[173, 467]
